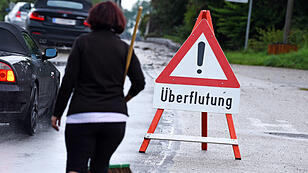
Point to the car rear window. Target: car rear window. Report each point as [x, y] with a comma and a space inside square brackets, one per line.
[9, 42]
[65, 4]
[26, 7]
[83, 5]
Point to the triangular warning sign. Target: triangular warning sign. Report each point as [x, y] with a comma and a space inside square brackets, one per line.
[200, 61]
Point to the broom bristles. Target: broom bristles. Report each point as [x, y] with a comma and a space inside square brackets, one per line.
[119, 170]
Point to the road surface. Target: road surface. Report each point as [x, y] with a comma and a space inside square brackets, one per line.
[272, 127]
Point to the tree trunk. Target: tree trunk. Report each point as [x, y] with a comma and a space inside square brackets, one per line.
[287, 25]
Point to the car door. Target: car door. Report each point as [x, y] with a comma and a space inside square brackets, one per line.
[42, 71]
[53, 81]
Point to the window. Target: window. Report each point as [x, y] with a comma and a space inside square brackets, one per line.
[34, 49]
[8, 42]
[26, 7]
[65, 4]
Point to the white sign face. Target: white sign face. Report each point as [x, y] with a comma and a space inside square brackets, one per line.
[198, 77]
[196, 98]
[210, 68]
[239, 1]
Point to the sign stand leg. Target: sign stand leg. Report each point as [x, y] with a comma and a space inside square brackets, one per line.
[204, 129]
[152, 128]
[236, 149]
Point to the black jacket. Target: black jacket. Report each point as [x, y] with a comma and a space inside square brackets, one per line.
[94, 74]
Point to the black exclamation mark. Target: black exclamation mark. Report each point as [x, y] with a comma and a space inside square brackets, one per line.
[201, 46]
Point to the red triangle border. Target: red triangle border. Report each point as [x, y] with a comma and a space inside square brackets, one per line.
[204, 28]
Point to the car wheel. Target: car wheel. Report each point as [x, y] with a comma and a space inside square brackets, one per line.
[32, 115]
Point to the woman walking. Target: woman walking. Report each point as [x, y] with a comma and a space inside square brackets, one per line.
[94, 74]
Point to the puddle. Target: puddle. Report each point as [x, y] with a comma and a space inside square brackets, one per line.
[59, 63]
[289, 135]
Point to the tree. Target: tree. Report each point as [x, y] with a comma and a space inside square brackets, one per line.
[231, 24]
[132, 14]
[193, 9]
[287, 25]
[3, 5]
[176, 18]
[300, 15]
[231, 20]
[167, 16]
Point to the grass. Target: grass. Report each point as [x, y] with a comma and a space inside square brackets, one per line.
[304, 89]
[175, 39]
[297, 60]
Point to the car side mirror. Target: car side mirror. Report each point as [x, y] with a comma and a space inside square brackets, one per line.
[50, 53]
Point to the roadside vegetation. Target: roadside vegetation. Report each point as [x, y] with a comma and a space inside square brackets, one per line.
[257, 54]
[175, 19]
[297, 60]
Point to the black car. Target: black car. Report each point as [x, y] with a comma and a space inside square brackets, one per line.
[28, 81]
[58, 22]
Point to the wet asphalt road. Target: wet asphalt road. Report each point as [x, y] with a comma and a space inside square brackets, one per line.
[272, 128]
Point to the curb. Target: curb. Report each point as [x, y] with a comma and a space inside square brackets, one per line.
[170, 44]
[162, 41]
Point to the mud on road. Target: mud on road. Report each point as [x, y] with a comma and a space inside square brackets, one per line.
[272, 125]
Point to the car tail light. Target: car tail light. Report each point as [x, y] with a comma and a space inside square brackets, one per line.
[18, 14]
[6, 73]
[85, 23]
[37, 33]
[36, 16]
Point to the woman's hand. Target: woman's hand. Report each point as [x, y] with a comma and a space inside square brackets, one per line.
[128, 97]
[56, 122]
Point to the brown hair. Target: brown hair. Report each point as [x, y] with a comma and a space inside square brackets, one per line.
[107, 16]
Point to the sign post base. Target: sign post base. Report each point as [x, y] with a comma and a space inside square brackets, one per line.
[152, 128]
[204, 139]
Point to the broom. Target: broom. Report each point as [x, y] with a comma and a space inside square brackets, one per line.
[124, 168]
[130, 51]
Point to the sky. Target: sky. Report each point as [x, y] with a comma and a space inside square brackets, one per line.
[128, 4]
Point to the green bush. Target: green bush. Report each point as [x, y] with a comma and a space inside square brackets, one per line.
[298, 37]
[305, 36]
[256, 45]
[175, 39]
[271, 36]
[264, 38]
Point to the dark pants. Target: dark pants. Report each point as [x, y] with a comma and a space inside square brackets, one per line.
[92, 141]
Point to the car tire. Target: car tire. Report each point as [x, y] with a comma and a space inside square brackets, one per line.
[32, 114]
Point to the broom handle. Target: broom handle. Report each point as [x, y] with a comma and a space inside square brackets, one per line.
[130, 51]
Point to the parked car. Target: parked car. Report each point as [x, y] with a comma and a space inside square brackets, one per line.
[18, 14]
[58, 22]
[28, 81]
